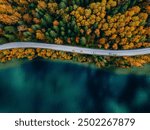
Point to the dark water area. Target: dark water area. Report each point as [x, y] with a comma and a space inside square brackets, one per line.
[46, 86]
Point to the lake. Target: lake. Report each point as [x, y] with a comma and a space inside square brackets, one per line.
[55, 86]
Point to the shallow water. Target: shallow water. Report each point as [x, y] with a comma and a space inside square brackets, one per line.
[46, 86]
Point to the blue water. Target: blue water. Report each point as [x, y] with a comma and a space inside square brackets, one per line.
[46, 86]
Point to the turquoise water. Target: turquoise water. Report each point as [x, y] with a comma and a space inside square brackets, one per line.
[46, 86]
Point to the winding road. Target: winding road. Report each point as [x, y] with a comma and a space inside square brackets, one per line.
[74, 49]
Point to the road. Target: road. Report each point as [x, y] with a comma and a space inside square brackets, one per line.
[81, 50]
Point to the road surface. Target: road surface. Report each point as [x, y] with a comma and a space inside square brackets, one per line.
[74, 49]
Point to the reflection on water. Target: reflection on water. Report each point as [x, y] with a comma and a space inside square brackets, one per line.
[45, 86]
